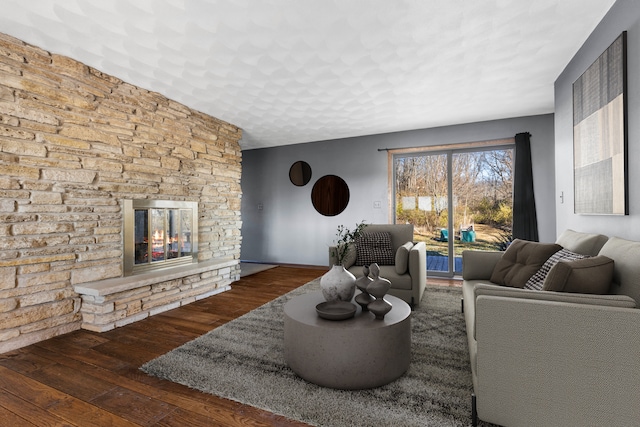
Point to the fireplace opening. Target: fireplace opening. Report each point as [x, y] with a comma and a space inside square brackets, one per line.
[159, 234]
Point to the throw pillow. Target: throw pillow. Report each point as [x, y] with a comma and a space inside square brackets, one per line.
[537, 280]
[586, 276]
[582, 243]
[402, 258]
[374, 247]
[520, 261]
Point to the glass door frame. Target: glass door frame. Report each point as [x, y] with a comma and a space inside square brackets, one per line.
[449, 150]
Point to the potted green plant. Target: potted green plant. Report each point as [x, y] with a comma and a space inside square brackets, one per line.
[345, 238]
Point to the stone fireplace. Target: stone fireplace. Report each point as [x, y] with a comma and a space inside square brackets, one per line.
[75, 145]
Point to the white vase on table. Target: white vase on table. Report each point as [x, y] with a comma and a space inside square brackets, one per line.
[338, 284]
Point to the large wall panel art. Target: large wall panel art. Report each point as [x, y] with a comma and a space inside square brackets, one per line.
[600, 134]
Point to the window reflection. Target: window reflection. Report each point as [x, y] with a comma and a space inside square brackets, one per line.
[185, 232]
[141, 233]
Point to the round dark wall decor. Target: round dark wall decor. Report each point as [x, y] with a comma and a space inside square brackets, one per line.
[330, 195]
[300, 173]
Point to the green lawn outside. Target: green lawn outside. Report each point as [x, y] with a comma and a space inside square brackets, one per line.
[487, 238]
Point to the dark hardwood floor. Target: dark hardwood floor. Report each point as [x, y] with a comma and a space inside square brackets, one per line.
[91, 379]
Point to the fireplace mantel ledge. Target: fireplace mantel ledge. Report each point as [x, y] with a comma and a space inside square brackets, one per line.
[123, 284]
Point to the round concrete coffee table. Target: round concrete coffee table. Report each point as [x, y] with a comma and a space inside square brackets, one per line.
[356, 353]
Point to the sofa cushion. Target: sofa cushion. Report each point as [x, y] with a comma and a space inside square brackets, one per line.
[479, 265]
[398, 281]
[626, 274]
[537, 280]
[585, 276]
[374, 247]
[350, 257]
[582, 243]
[402, 257]
[520, 261]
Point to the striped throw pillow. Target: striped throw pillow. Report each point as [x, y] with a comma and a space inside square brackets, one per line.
[537, 280]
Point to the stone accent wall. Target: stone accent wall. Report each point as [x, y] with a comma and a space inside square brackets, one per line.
[75, 142]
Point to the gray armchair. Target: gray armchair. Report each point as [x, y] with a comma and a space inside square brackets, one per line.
[408, 269]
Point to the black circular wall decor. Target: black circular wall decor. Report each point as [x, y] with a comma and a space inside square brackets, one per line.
[330, 195]
[300, 173]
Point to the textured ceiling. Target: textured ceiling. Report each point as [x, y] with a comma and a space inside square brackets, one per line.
[291, 71]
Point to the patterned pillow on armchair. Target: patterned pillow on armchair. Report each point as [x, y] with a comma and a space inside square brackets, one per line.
[374, 247]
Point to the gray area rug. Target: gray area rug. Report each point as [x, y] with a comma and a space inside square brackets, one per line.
[243, 360]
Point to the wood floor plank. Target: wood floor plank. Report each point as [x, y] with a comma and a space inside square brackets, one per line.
[135, 407]
[73, 410]
[87, 378]
[24, 360]
[187, 326]
[87, 355]
[18, 412]
[85, 387]
[136, 381]
[86, 414]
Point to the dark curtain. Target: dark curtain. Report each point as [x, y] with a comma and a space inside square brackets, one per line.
[525, 221]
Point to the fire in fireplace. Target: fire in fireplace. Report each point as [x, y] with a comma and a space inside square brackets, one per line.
[159, 234]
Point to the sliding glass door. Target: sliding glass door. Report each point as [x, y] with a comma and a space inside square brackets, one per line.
[456, 200]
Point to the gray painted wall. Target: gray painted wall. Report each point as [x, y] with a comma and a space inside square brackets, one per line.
[624, 15]
[280, 224]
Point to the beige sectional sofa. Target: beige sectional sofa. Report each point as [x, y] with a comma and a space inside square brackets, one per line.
[405, 263]
[548, 358]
